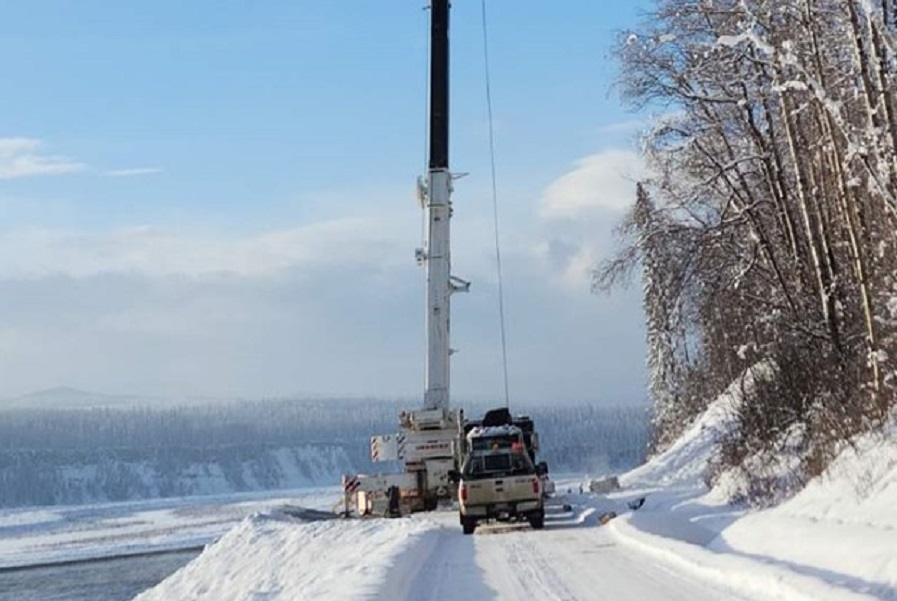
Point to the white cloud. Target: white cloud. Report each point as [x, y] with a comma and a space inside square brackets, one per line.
[570, 263]
[579, 211]
[23, 157]
[333, 306]
[160, 252]
[566, 261]
[605, 180]
[132, 171]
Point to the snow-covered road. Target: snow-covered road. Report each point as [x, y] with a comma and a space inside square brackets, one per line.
[565, 562]
[426, 557]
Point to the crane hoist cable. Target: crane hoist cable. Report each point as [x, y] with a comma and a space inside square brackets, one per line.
[501, 299]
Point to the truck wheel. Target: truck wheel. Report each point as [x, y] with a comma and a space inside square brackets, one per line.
[537, 520]
[468, 526]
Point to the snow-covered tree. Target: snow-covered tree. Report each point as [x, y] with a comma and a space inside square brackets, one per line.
[767, 232]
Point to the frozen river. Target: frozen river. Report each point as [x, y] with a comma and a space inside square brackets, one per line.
[104, 580]
[113, 551]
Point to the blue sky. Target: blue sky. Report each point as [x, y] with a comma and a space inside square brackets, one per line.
[215, 198]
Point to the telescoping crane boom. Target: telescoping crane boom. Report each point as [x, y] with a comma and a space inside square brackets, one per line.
[431, 440]
[436, 199]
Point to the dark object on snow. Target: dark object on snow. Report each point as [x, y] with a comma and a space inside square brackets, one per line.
[604, 486]
[606, 517]
[392, 509]
[309, 515]
[636, 503]
[498, 417]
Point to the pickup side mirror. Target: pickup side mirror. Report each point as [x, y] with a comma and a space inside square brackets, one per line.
[454, 476]
[541, 468]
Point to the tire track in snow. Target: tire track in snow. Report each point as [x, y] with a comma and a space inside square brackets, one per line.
[569, 562]
[582, 564]
[441, 566]
[525, 573]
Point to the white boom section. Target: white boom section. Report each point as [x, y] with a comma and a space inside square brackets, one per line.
[430, 440]
[439, 288]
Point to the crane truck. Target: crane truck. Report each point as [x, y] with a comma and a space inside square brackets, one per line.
[433, 442]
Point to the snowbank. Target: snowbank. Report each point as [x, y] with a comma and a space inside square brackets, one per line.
[841, 527]
[267, 557]
[751, 575]
[836, 539]
[686, 461]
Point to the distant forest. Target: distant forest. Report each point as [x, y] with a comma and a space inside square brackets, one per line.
[50, 456]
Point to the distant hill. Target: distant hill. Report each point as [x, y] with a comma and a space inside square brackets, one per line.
[67, 397]
[65, 455]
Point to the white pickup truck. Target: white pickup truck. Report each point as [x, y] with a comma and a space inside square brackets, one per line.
[498, 480]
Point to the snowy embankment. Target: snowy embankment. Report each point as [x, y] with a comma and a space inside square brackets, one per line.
[836, 539]
[267, 557]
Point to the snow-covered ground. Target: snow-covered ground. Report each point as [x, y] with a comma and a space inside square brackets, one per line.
[841, 528]
[427, 557]
[655, 553]
[31, 537]
[835, 541]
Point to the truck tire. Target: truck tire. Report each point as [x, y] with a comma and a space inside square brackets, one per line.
[537, 519]
[468, 526]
